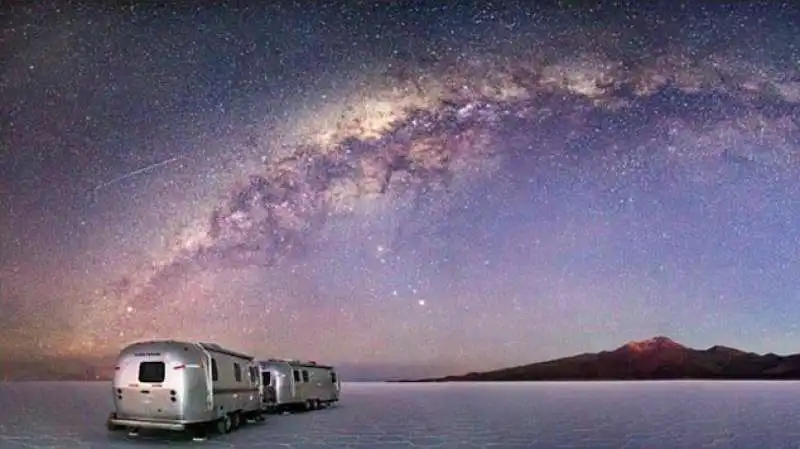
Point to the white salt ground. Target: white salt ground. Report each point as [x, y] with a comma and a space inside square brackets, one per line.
[510, 415]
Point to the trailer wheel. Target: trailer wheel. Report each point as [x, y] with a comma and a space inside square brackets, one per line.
[224, 425]
[236, 420]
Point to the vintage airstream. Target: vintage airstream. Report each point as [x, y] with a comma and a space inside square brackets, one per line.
[297, 385]
[184, 386]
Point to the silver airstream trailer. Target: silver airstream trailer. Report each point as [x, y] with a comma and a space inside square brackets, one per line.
[184, 386]
[298, 385]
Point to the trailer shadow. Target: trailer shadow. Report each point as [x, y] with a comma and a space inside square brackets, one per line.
[171, 438]
[156, 437]
[300, 410]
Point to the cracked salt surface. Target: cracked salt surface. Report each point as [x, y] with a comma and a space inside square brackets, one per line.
[508, 415]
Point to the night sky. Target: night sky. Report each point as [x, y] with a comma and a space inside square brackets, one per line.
[406, 183]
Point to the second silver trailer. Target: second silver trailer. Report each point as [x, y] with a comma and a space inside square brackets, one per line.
[295, 384]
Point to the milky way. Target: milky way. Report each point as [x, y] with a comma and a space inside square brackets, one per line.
[456, 118]
[609, 116]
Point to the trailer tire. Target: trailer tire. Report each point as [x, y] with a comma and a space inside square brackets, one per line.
[224, 425]
[236, 420]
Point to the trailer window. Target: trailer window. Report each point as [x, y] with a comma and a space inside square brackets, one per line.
[237, 372]
[152, 372]
[265, 378]
[296, 376]
[214, 371]
[253, 375]
[305, 376]
[333, 377]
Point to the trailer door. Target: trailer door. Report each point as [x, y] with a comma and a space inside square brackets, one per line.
[269, 389]
[295, 383]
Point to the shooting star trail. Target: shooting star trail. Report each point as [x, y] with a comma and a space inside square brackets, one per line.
[136, 172]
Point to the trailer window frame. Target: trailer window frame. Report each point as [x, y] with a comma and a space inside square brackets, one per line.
[237, 372]
[214, 370]
[253, 375]
[152, 372]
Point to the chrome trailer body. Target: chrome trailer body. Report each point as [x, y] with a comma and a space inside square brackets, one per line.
[180, 386]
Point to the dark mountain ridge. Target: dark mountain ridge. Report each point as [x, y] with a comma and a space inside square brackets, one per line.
[658, 358]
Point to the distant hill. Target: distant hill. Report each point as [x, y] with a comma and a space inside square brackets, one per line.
[658, 358]
[378, 372]
[57, 368]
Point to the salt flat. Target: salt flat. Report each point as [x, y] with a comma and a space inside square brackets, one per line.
[508, 415]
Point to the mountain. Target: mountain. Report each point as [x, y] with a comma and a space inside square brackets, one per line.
[658, 358]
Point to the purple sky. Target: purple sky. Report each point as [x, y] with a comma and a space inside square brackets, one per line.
[457, 187]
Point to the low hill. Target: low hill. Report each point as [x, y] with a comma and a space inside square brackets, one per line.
[58, 369]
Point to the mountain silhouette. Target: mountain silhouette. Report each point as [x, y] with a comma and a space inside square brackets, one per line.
[658, 358]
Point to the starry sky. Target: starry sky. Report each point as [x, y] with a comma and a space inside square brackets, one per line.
[410, 184]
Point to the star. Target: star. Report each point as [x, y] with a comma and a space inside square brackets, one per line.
[283, 170]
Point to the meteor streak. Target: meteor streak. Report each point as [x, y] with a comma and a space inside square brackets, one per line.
[136, 172]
